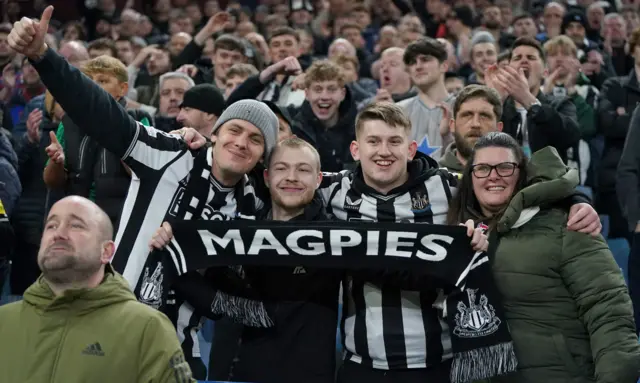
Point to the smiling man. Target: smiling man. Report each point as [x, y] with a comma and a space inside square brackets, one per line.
[174, 182]
[301, 346]
[327, 117]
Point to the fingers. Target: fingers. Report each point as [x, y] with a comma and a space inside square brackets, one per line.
[576, 214]
[45, 18]
[54, 139]
[470, 227]
[162, 237]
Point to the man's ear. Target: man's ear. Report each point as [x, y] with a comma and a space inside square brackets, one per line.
[354, 149]
[319, 179]
[413, 148]
[452, 125]
[499, 126]
[265, 175]
[124, 89]
[108, 249]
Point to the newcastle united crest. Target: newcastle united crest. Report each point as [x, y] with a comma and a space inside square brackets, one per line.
[151, 288]
[476, 320]
[420, 202]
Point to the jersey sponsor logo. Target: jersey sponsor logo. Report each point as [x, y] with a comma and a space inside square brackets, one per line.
[353, 205]
[211, 214]
[151, 288]
[477, 319]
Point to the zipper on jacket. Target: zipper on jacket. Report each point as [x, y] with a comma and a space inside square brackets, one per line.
[83, 143]
[59, 350]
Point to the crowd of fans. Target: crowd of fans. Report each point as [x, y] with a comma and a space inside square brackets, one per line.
[567, 74]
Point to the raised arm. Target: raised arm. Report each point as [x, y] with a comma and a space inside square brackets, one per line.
[95, 112]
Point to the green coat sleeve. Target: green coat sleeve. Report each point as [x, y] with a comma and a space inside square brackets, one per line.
[596, 283]
[161, 357]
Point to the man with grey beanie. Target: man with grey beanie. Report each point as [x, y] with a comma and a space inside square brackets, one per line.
[171, 182]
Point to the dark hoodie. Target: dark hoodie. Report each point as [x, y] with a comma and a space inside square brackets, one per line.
[332, 143]
[301, 345]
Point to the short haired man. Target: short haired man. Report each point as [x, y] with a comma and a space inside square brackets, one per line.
[307, 314]
[177, 42]
[174, 182]
[476, 112]
[536, 120]
[124, 46]
[552, 17]
[575, 26]
[80, 166]
[283, 42]
[327, 117]
[102, 47]
[482, 55]
[426, 60]
[614, 37]
[227, 50]
[236, 75]
[524, 26]
[361, 88]
[453, 83]
[172, 87]
[88, 312]
[201, 107]
[566, 79]
[395, 81]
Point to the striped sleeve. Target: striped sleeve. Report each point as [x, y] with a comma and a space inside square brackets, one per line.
[151, 150]
[330, 181]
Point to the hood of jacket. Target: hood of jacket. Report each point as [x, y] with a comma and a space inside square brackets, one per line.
[420, 169]
[548, 179]
[347, 111]
[450, 160]
[113, 289]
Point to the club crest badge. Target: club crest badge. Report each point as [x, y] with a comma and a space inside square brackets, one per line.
[151, 288]
[476, 320]
[419, 203]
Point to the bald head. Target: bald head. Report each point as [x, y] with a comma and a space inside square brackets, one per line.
[87, 211]
[75, 52]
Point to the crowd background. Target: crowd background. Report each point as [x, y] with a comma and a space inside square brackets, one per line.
[592, 50]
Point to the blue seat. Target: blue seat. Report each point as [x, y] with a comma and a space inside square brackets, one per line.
[620, 249]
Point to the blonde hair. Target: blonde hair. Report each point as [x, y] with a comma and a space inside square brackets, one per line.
[106, 65]
[387, 112]
[558, 44]
[323, 70]
[296, 143]
[341, 60]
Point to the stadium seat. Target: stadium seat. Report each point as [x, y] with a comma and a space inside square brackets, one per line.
[620, 249]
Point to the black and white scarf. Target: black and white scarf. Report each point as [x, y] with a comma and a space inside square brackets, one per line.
[480, 337]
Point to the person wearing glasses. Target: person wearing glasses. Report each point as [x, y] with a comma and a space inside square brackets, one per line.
[565, 300]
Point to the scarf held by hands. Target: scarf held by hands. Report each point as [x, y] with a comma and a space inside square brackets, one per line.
[480, 338]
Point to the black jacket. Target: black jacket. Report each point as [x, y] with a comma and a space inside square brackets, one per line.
[616, 92]
[555, 124]
[29, 213]
[332, 144]
[628, 175]
[301, 345]
[89, 164]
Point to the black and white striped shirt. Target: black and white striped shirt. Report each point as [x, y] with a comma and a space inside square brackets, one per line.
[394, 327]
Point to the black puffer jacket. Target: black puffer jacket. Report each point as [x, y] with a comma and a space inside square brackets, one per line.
[332, 144]
[616, 92]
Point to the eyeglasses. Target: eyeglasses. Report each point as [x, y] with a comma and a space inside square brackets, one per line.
[504, 169]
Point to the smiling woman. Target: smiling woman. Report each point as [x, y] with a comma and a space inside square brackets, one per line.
[565, 300]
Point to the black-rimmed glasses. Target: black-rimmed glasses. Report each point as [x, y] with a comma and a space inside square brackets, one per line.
[504, 169]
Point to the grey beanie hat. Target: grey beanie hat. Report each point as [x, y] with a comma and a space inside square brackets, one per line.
[257, 113]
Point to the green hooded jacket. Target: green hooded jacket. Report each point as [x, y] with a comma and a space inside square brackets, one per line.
[450, 161]
[88, 335]
[565, 299]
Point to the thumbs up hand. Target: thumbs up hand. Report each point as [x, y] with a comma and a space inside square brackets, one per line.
[55, 151]
[27, 35]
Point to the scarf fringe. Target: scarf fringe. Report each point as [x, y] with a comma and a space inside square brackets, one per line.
[241, 310]
[482, 363]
